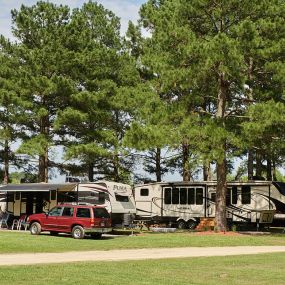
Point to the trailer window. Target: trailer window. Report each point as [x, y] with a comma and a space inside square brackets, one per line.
[245, 194]
[228, 197]
[167, 195]
[121, 198]
[183, 196]
[234, 195]
[101, 199]
[199, 196]
[175, 196]
[191, 196]
[144, 192]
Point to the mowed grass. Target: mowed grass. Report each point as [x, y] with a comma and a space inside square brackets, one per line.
[261, 269]
[20, 242]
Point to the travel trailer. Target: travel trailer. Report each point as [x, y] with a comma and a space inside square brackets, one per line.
[183, 204]
[116, 197]
[34, 198]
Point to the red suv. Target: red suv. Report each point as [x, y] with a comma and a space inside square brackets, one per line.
[75, 219]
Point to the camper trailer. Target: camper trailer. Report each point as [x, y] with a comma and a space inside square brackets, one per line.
[183, 204]
[34, 198]
[116, 197]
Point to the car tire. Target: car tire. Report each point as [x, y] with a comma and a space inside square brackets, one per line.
[181, 224]
[96, 235]
[78, 232]
[35, 228]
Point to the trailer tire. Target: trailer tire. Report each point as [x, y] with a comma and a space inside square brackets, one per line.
[191, 224]
[181, 224]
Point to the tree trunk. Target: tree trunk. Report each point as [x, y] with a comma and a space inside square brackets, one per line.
[43, 158]
[269, 170]
[158, 164]
[250, 165]
[6, 162]
[258, 170]
[207, 175]
[185, 161]
[274, 170]
[116, 174]
[221, 220]
[91, 172]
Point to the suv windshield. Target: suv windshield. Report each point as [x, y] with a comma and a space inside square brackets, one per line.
[100, 213]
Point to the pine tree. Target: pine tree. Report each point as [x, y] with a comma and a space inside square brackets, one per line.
[202, 51]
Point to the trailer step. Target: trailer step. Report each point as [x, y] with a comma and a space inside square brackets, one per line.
[206, 224]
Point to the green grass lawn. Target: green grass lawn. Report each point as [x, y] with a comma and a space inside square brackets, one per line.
[264, 269]
[12, 242]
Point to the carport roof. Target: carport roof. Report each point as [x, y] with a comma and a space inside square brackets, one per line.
[33, 187]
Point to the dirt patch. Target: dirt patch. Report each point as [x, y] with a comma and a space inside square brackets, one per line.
[218, 233]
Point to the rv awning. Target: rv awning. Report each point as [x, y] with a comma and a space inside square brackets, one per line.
[37, 187]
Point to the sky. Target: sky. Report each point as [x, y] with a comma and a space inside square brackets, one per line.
[125, 9]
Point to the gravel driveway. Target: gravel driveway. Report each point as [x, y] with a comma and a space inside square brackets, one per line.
[133, 254]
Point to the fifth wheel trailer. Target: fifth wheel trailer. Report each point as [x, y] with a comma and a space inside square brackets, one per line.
[183, 204]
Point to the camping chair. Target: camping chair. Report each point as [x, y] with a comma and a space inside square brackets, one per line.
[4, 219]
[19, 223]
[23, 222]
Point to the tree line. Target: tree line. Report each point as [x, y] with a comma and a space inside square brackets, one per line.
[200, 80]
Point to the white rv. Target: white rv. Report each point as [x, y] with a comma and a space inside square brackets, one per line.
[184, 203]
[116, 197]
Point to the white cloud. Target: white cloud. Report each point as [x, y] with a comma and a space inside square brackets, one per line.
[124, 9]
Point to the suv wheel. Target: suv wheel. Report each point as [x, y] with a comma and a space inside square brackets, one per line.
[78, 232]
[35, 228]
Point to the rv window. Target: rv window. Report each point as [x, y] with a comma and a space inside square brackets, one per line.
[101, 197]
[10, 197]
[53, 194]
[199, 196]
[83, 213]
[191, 196]
[144, 192]
[213, 197]
[175, 196]
[228, 197]
[245, 194]
[183, 196]
[167, 195]
[67, 212]
[17, 195]
[121, 198]
[234, 195]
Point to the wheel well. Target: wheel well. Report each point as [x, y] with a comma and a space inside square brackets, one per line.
[74, 225]
[34, 221]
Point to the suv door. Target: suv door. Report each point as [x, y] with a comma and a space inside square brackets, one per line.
[65, 220]
[50, 221]
[83, 217]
